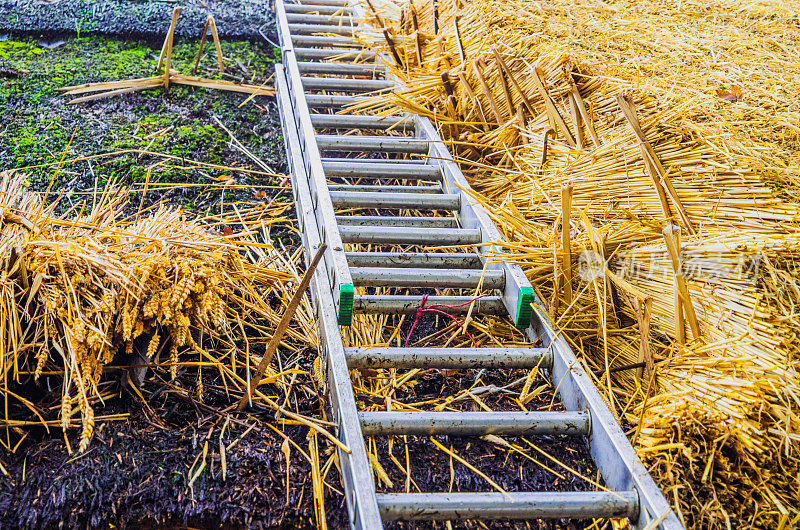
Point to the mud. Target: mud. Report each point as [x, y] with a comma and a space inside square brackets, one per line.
[138, 473]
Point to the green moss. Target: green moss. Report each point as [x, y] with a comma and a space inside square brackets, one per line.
[138, 174]
[11, 48]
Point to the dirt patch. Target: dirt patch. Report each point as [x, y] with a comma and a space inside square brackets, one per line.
[139, 472]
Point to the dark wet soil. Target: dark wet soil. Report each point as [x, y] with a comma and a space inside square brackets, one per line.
[144, 471]
[431, 471]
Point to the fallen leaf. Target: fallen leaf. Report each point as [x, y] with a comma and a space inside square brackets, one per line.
[732, 95]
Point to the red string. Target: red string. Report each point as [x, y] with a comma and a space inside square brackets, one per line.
[422, 309]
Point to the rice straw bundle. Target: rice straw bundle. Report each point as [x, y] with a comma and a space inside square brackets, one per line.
[744, 286]
[732, 63]
[745, 293]
[80, 292]
[706, 427]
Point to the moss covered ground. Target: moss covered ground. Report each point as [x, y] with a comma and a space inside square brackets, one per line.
[39, 127]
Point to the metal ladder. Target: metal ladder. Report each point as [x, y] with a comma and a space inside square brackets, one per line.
[324, 70]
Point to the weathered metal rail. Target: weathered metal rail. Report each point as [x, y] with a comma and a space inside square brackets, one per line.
[324, 69]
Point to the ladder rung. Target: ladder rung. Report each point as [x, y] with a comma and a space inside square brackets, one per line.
[311, 29]
[329, 100]
[309, 67]
[415, 201]
[371, 220]
[353, 121]
[333, 54]
[448, 260]
[384, 235]
[379, 188]
[409, 358]
[322, 10]
[336, 20]
[495, 505]
[416, 171]
[370, 160]
[384, 144]
[473, 423]
[419, 277]
[408, 304]
[326, 42]
[343, 84]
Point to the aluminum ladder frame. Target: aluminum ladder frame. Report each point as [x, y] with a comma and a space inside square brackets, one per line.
[635, 493]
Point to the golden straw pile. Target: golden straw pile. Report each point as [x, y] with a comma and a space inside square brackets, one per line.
[82, 292]
[641, 160]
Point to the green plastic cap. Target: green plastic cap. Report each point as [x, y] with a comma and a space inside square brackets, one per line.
[524, 307]
[345, 315]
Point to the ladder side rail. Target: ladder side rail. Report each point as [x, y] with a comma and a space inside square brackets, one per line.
[335, 258]
[285, 40]
[517, 293]
[338, 269]
[282, 26]
[611, 450]
[356, 472]
[338, 272]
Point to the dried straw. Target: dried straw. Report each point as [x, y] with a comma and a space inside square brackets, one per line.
[653, 113]
[82, 290]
